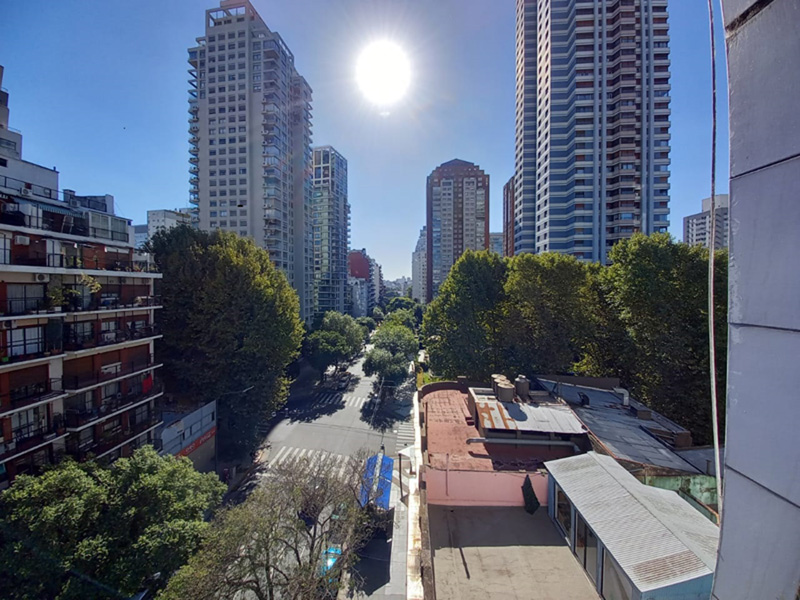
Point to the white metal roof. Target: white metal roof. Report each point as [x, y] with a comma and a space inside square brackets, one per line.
[546, 417]
[655, 535]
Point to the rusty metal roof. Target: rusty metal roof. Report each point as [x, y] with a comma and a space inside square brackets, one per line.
[546, 417]
[655, 536]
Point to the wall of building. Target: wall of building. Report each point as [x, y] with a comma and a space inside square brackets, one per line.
[760, 534]
[481, 488]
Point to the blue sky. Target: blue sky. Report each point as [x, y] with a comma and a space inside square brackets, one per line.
[99, 91]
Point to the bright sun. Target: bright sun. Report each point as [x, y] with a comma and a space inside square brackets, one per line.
[383, 72]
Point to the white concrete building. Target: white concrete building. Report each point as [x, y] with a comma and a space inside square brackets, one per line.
[250, 136]
[164, 219]
[697, 228]
[419, 265]
[592, 124]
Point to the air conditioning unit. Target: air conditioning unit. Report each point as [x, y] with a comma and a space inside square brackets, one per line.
[74, 203]
[26, 192]
[22, 240]
[7, 324]
[41, 277]
[119, 395]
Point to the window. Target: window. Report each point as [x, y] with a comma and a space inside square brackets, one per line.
[564, 512]
[28, 340]
[616, 585]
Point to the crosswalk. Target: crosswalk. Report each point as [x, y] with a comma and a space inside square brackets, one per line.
[342, 399]
[405, 434]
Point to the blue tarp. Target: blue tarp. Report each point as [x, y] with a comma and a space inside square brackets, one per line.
[377, 488]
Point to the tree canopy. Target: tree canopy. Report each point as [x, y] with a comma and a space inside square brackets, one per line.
[642, 319]
[275, 545]
[231, 323]
[84, 531]
[336, 338]
[396, 339]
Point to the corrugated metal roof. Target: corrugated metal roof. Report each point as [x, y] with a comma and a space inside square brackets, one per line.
[656, 537]
[536, 417]
[622, 433]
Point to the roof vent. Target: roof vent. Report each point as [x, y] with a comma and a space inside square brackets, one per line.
[505, 392]
[623, 393]
[584, 399]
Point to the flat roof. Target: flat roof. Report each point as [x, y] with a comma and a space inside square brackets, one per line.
[657, 538]
[503, 552]
[535, 417]
[449, 425]
[622, 433]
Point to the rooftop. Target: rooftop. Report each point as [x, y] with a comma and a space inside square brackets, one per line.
[489, 552]
[536, 417]
[621, 432]
[656, 537]
[448, 426]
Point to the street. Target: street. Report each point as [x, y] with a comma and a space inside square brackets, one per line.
[325, 424]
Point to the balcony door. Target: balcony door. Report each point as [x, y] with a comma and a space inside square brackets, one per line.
[54, 254]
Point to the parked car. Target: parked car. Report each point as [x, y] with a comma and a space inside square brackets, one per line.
[344, 382]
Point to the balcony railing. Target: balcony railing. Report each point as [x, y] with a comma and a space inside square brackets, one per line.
[26, 306]
[25, 395]
[26, 437]
[74, 340]
[111, 439]
[114, 303]
[77, 417]
[83, 380]
[19, 350]
[75, 224]
[102, 263]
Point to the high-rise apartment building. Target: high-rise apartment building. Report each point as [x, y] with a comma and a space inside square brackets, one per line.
[697, 228]
[419, 266]
[496, 243]
[508, 217]
[250, 128]
[457, 217]
[76, 322]
[593, 121]
[331, 229]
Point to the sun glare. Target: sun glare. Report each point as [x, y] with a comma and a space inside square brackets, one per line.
[383, 73]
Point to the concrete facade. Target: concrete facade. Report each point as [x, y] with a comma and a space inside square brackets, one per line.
[593, 122]
[164, 219]
[457, 217]
[250, 137]
[419, 265]
[697, 227]
[761, 496]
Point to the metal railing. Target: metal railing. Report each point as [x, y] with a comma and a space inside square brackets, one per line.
[78, 417]
[14, 351]
[74, 340]
[24, 395]
[83, 380]
[120, 435]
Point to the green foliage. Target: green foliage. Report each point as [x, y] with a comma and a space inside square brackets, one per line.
[263, 548]
[400, 303]
[367, 322]
[390, 367]
[83, 531]
[643, 319]
[337, 338]
[404, 317]
[230, 321]
[529, 496]
[462, 326]
[544, 315]
[396, 339]
[377, 314]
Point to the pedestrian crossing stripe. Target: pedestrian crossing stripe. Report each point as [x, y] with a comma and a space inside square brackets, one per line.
[405, 434]
[346, 399]
[288, 453]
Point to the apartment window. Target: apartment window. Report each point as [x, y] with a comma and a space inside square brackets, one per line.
[242, 171]
[242, 223]
[212, 224]
[212, 214]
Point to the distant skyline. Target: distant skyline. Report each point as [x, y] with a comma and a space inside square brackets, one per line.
[100, 92]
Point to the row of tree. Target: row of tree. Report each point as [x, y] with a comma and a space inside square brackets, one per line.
[643, 319]
[395, 342]
[231, 326]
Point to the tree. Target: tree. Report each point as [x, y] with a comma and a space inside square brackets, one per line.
[377, 314]
[399, 303]
[392, 368]
[85, 531]
[325, 348]
[346, 326]
[402, 316]
[367, 322]
[462, 327]
[230, 322]
[544, 318]
[275, 545]
[397, 339]
[659, 290]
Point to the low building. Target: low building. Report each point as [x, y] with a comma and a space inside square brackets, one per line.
[635, 542]
[191, 432]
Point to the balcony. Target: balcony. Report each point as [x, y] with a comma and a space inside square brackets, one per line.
[75, 382]
[27, 395]
[75, 341]
[111, 439]
[103, 262]
[33, 344]
[30, 436]
[113, 303]
[77, 418]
